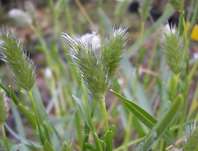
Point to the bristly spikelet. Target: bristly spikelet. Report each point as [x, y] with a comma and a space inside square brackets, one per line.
[174, 53]
[91, 69]
[92, 72]
[97, 69]
[112, 51]
[14, 56]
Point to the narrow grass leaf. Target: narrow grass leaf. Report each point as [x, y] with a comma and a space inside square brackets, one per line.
[140, 113]
[162, 125]
[22, 108]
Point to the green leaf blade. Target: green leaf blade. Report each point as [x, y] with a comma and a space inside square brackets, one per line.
[140, 113]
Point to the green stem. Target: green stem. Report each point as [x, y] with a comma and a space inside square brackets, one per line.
[142, 29]
[104, 112]
[31, 99]
[3, 130]
[128, 133]
[33, 104]
[5, 141]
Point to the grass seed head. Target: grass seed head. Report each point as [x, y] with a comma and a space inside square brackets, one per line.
[97, 69]
[20, 64]
[112, 51]
[90, 67]
[174, 52]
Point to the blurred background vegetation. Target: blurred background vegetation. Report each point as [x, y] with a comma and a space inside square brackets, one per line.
[146, 74]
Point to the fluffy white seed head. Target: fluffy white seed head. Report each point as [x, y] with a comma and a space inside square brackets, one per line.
[91, 40]
[20, 17]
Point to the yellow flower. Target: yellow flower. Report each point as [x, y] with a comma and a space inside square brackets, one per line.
[194, 34]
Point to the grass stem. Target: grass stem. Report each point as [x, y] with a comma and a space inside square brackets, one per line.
[104, 112]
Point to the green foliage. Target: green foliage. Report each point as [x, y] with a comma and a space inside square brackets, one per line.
[173, 87]
[191, 144]
[21, 66]
[108, 139]
[177, 4]
[21, 107]
[140, 113]
[66, 147]
[3, 112]
[191, 137]
[71, 120]
[145, 9]
[162, 125]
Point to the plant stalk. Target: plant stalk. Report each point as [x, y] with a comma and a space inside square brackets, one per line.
[104, 112]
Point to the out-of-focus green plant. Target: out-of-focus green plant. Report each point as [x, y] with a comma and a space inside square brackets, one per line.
[73, 120]
[178, 4]
[3, 112]
[191, 144]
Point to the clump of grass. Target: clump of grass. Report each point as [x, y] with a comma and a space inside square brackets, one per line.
[75, 121]
[97, 67]
[16, 58]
